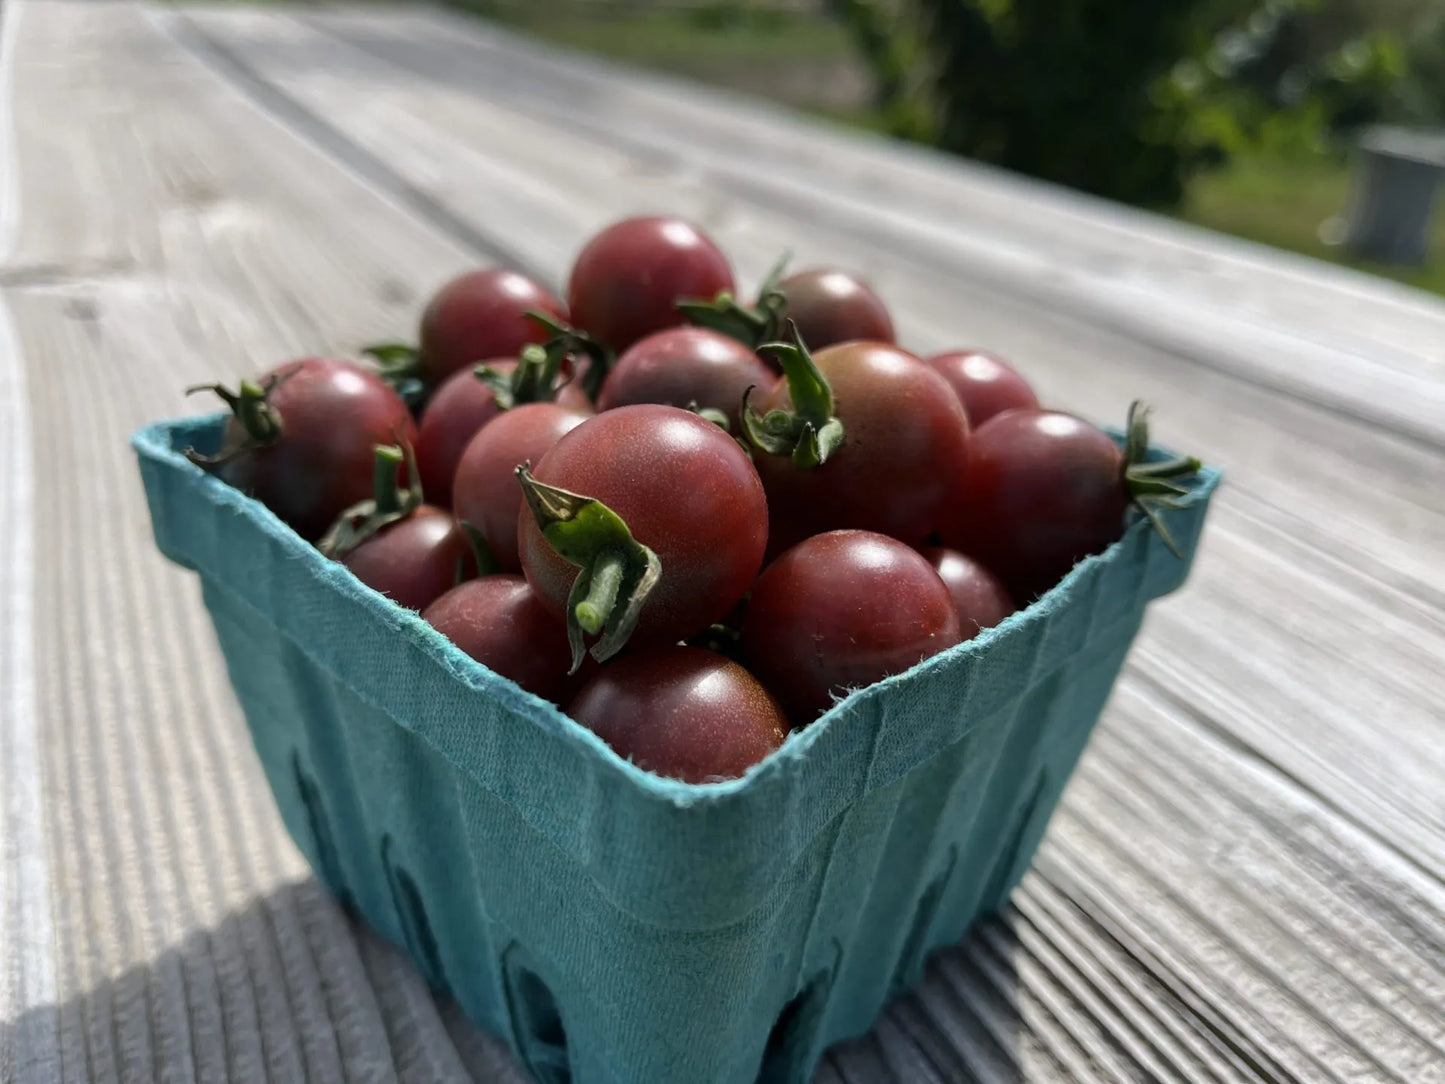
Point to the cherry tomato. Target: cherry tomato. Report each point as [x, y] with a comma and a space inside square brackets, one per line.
[984, 383]
[831, 306]
[628, 279]
[460, 407]
[841, 611]
[480, 315]
[686, 365]
[1043, 491]
[980, 597]
[485, 492]
[905, 446]
[456, 413]
[681, 712]
[415, 560]
[685, 490]
[498, 621]
[305, 448]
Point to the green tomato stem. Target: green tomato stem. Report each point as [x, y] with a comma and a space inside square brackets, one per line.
[385, 492]
[606, 581]
[389, 503]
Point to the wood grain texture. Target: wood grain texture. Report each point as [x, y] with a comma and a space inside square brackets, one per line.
[1246, 881]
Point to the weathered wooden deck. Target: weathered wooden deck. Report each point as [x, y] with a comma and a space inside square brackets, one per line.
[1247, 878]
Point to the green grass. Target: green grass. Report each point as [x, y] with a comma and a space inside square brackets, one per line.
[1283, 202]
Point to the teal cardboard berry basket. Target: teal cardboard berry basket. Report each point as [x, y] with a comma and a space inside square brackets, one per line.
[611, 925]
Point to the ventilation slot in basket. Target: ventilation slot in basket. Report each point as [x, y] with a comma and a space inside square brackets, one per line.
[910, 960]
[421, 943]
[537, 1023]
[790, 1043]
[1007, 868]
[328, 860]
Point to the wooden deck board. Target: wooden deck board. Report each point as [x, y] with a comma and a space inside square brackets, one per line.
[1247, 878]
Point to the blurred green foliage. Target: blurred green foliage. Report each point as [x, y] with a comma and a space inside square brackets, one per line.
[1131, 98]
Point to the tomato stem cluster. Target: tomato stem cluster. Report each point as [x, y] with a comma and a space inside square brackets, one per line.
[811, 431]
[1151, 486]
[567, 342]
[751, 325]
[399, 364]
[532, 380]
[260, 422]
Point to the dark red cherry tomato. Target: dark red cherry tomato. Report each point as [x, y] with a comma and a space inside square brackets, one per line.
[685, 490]
[480, 315]
[457, 412]
[628, 279]
[841, 611]
[485, 491]
[980, 597]
[498, 621]
[681, 712]
[984, 383]
[686, 365]
[460, 407]
[905, 445]
[304, 448]
[1043, 490]
[415, 560]
[831, 306]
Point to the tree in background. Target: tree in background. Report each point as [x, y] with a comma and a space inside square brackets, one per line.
[1129, 98]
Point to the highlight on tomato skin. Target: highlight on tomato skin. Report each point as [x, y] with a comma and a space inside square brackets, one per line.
[499, 621]
[841, 611]
[831, 306]
[981, 598]
[686, 367]
[478, 315]
[681, 712]
[1045, 489]
[984, 383]
[628, 279]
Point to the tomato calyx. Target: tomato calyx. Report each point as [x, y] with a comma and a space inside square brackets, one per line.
[751, 325]
[617, 575]
[1151, 486]
[534, 379]
[261, 424]
[810, 432]
[399, 364]
[389, 503]
[567, 343]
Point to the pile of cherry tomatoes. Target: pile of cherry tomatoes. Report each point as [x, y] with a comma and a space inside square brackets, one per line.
[691, 522]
